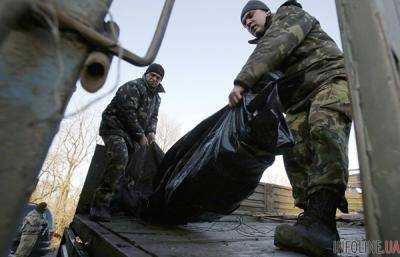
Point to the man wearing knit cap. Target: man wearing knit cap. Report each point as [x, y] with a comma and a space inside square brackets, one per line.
[318, 112]
[130, 117]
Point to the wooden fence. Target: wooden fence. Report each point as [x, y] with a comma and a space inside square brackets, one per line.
[277, 200]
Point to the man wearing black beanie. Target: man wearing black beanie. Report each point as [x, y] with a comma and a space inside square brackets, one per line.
[255, 5]
[130, 117]
[318, 112]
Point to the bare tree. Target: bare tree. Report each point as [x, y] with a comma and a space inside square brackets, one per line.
[168, 131]
[73, 146]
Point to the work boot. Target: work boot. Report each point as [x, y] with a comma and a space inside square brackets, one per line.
[100, 207]
[315, 229]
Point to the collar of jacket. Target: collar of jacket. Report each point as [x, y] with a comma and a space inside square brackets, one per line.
[158, 89]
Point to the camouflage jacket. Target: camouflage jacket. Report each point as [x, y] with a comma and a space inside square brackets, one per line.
[133, 111]
[294, 43]
[33, 223]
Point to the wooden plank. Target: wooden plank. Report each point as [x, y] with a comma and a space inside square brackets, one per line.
[280, 196]
[282, 187]
[269, 194]
[252, 210]
[358, 199]
[291, 212]
[222, 238]
[286, 200]
[284, 205]
[358, 203]
[353, 202]
[252, 203]
[353, 195]
[257, 196]
[284, 194]
[282, 191]
[279, 199]
[233, 236]
[265, 196]
[102, 242]
[259, 189]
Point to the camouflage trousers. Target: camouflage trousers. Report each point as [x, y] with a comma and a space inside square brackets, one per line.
[319, 159]
[117, 158]
[26, 245]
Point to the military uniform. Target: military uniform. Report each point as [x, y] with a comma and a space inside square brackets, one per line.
[317, 106]
[31, 229]
[315, 97]
[132, 113]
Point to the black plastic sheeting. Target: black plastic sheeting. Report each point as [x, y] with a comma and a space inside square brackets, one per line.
[214, 167]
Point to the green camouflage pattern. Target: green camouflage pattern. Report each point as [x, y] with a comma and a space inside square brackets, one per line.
[117, 158]
[133, 111]
[319, 158]
[294, 43]
[32, 227]
[33, 223]
[26, 245]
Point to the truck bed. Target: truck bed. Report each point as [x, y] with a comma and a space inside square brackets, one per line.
[234, 235]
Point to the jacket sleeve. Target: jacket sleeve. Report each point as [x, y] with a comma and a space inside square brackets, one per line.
[153, 120]
[128, 98]
[289, 28]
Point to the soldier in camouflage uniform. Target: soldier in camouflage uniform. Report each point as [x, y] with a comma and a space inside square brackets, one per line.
[131, 116]
[318, 112]
[32, 227]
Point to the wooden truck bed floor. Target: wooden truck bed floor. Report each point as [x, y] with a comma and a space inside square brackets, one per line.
[234, 235]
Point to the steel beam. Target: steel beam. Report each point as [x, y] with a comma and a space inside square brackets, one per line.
[38, 74]
[371, 41]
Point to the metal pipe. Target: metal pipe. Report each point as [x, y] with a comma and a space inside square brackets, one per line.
[100, 40]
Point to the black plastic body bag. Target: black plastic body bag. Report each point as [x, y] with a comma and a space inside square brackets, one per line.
[215, 166]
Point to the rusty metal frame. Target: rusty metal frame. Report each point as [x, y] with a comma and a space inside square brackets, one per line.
[35, 89]
[370, 31]
[111, 45]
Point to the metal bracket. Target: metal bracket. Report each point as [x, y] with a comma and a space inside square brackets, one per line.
[96, 38]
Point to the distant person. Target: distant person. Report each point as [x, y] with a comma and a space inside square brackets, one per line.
[32, 227]
[130, 117]
[318, 113]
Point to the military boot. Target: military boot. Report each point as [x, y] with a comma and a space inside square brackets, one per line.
[100, 207]
[315, 230]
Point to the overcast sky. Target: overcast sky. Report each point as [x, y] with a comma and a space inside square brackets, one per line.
[204, 48]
